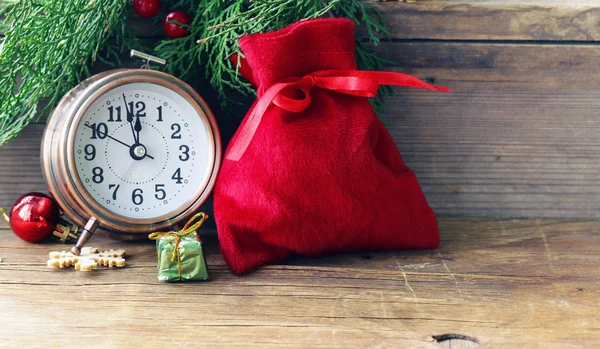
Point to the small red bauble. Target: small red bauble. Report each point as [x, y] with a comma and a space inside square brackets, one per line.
[34, 216]
[174, 30]
[146, 8]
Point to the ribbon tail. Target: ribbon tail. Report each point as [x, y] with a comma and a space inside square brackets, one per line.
[247, 132]
[245, 136]
[361, 81]
[399, 79]
[179, 265]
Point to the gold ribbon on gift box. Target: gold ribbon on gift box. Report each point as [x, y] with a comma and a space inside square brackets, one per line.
[189, 228]
[3, 214]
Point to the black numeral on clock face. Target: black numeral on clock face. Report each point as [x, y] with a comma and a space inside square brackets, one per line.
[90, 152]
[111, 114]
[177, 176]
[176, 128]
[116, 186]
[160, 192]
[136, 196]
[185, 153]
[98, 175]
[140, 109]
[99, 131]
[160, 119]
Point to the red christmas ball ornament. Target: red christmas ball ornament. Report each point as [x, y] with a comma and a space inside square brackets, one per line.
[146, 8]
[34, 216]
[174, 30]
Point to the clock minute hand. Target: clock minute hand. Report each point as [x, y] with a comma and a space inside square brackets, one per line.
[130, 120]
[113, 138]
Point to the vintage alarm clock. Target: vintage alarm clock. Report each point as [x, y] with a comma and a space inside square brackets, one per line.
[130, 151]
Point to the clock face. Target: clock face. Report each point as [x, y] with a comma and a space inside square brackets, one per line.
[142, 151]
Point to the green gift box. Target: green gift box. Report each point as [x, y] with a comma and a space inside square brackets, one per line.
[180, 254]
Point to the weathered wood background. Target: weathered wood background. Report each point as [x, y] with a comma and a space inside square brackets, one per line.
[518, 137]
[507, 283]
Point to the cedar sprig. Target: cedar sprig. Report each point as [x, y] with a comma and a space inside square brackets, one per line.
[48, 48]
[50, 45]
[217, 26]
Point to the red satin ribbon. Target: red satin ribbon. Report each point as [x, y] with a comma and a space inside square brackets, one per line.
[361, 83]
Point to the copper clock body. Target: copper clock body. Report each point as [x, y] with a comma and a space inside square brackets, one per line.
[59, 163]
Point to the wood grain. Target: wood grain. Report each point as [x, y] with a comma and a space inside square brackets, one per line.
[21, 171]
[517, 284]
[551, 67]
[517, 136]
[539, 20]
[547, 20]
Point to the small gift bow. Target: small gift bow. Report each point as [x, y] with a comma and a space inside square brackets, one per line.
[360, 83]
[188, 229]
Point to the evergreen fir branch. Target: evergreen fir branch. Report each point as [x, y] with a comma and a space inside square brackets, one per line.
[217, 26]
[50, 45]
[47, 50]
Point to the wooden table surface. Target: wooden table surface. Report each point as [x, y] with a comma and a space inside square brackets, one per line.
[507, 283]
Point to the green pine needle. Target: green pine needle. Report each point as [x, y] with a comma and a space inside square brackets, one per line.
[217, 26]
[48, 48]
[49, 45]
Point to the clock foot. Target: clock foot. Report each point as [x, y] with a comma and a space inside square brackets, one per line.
[86, 234]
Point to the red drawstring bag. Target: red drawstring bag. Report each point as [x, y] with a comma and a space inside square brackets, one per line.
[312, 170]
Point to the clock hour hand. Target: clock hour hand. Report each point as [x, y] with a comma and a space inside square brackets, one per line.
[130, 120]
[132, 149]
[138, 128]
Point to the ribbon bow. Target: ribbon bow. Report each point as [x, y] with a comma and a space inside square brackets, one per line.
[361, 83]
[188, 229]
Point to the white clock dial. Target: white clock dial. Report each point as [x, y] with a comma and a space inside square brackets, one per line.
[142, 151]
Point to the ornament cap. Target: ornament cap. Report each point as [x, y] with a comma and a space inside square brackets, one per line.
[65, 231]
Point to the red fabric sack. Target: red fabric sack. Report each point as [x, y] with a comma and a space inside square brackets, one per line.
[312, 170]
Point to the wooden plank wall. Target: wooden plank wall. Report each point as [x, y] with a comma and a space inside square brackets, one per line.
[517, 137]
